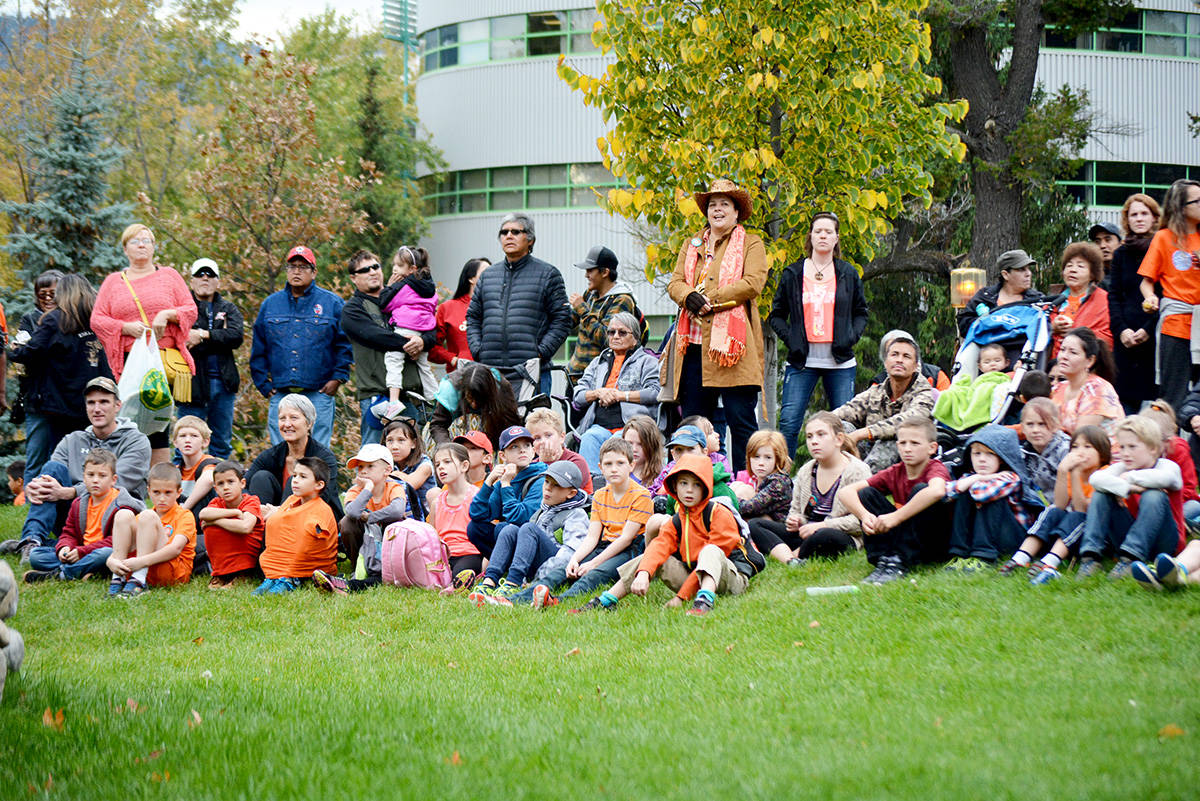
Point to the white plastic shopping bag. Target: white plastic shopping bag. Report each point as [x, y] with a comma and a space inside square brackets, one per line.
[143, 388]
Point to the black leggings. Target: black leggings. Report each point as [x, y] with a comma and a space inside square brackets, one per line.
[827, 542]
[470, 561]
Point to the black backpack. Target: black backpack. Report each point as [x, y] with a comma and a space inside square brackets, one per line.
[748, 560]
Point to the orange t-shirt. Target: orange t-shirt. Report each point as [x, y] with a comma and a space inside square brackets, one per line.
[302, 536]
[93, 527]
[233, 553]
[189, 473]
[391, 491]
[20, 499]
[1178, 271]
[615, 372]
[177, 520]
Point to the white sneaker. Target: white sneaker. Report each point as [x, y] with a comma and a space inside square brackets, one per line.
[387, 409]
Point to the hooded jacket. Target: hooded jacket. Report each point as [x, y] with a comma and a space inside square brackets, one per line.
[515, 503]
[571, 517]
[590, 324]
[58, 366]
[849, 312]
[130, 446]
[685, 545]
[1003, 441]
[411, 303]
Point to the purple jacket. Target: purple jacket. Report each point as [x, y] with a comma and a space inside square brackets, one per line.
[410, 307]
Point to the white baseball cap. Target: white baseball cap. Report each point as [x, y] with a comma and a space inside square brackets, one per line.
[373, 452]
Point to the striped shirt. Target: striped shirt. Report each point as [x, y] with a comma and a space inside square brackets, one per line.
[1005, 484]
[636, 504]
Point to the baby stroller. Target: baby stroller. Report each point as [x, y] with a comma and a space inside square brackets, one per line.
[1023, 329]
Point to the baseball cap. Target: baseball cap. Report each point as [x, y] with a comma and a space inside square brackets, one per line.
[688, 436]
[371, 452]
[512, 434]
[598, 257]
[1014, 260]
[205, 264]
[477, 438]
[1104, 227]
[303, 253]
[104, 383]
[565, 474]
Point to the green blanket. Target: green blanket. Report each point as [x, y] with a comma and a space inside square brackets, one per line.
[968, 403]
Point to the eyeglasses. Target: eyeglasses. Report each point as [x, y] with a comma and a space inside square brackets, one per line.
[45, 294]
[364, 270]
[618, 332]
[142, 240]
[511, 231]
[305, 266]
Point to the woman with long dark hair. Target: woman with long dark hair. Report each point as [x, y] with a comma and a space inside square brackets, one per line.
[474, 389]
[1132, 327]
[1086, 396]
[451, 342]
[60, 358]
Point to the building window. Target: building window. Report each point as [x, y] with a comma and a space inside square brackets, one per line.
[1108, 183]
[503, 189]
[545, 33]
[1156, 33]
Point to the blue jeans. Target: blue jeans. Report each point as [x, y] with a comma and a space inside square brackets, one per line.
[522, 550]
[798, 386]
[44, 558]
[322, 430]
[44, 519]
[597, 578]
[589, 446]
[218, 413]
[1058, 524]
[984, 531]
[42, 434]
[1110, 527]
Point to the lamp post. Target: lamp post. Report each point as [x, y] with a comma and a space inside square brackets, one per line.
[965, 281]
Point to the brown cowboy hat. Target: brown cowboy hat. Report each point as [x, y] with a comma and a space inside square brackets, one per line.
[723, 186]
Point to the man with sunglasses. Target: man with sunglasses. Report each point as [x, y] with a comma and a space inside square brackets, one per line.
[364, 323]
[299, 346]
[519, 310]
[218, 331]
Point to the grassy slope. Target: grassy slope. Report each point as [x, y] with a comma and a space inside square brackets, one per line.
[948, 688]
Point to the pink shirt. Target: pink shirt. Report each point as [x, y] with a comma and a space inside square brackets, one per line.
[162, 289]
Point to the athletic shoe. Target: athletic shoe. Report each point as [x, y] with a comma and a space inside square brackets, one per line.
[283, 585]
[1169, 571]
[1009, 568]
[24, 551]
[479, 596]
[464, 579]
[115, 586]
[132, 589]
[973, 565]
[10, 546]
[1120, 569]
[955, 565]
[1035, 568]
[590, 606]
[34, 576]
[796, 562]
[1144, 575]
[542, 598]
[506, 589]
[887, 570]
[265, 587]
[1192, 526]
[1088, 567]
[700, 607]
[1045, 576]
[334, 584]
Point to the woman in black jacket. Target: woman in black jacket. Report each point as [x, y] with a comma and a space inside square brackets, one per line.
[60, 358]
[1132, 326]
[820, 312]
[1014, 286]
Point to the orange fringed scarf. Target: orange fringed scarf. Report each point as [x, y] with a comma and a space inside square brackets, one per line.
[727, 342]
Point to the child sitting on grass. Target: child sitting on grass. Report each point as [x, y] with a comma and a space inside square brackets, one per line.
[450, 512]
[16, 481]
[1177, 450]
[1048, 444]
[479, 451]
[769, 495]
[410, 464]
[157, 548]
[233, 527]
[1170, 572]
[993, 504]
[191, 437]
[86, 540]
[912, 528]
[688, 439]
[643, 436]
[620, 510]
[511, 493]
[1061, 525]
[549, 436]
[522, 550]
[1150, 520]
[372, 504]
[301, 533]
[693, 555]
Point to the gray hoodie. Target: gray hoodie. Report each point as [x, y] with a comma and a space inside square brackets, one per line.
[574, 522]
[131, 447]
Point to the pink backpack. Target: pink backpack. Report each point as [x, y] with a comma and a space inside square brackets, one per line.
[414, 556]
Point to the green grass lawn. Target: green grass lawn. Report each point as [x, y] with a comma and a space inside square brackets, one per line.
[944, 688]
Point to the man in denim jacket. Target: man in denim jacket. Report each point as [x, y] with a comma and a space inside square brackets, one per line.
[299, 345]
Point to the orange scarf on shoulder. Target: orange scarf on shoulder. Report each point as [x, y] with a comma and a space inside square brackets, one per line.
[727, 341]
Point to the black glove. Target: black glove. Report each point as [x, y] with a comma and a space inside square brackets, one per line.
[695, 302]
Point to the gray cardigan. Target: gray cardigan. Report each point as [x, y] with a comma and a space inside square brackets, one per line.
[639, 375]
[840, 518]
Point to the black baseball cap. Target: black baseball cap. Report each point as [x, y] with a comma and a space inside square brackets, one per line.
[599, 257]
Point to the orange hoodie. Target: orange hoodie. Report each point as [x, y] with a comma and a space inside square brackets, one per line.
[723, 533]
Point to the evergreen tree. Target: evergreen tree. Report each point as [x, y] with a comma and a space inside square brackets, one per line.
[71, 226]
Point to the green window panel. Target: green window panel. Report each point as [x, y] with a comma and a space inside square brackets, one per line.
[538, 186]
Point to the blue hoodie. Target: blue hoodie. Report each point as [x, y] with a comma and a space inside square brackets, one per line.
[1004, 442]
[504, 504]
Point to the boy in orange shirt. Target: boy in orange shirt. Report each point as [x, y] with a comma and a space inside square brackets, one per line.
[373, 503]
[693, 555]
[233, 528]
[163, 539]
[16, 481]
[86, 540]
[301, 534]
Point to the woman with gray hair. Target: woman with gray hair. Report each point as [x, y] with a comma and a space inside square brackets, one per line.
[619, 384]
[270, 476]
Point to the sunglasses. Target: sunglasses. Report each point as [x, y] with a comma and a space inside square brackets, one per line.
[363, 270]
[512, 231]
[618, 332]
[205, 274]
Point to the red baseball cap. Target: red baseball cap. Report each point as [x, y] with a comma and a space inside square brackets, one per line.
[303, 253]
[476, 438]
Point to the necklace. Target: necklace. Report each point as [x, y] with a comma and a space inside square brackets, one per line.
[819, 269]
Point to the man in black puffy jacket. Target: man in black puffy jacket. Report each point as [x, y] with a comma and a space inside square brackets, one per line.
[519, 309]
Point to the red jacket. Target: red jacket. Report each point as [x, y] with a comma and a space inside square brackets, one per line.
[1176, 449]
[76, 525]
[1093, 314]
[451, 332]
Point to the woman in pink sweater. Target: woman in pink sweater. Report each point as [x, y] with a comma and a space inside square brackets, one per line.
[166, 301]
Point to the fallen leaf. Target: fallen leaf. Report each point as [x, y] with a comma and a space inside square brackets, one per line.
[937, 722]
[1169, 731]
[363, 633]
[154, 754]
[574, 652]
[165, 776]
[453, 759]
[53, 720]
[194, 719]
[814, 624]
[49, 785]
[132, 705]
[33, 788]
[198, 640]
[798, 644]
[452, 665]
[729, 648]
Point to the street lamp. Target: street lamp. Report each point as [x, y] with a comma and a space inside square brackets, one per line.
[965, 281]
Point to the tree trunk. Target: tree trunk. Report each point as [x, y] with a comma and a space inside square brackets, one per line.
[997, 218]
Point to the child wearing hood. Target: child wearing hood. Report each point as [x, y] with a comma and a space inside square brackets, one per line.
[994, 504]
[696, 556]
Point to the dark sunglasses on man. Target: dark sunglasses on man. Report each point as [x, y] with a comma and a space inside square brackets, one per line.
[366, 268]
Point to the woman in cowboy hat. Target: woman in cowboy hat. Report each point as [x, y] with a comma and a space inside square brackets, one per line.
[718, 335]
